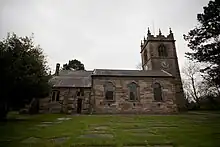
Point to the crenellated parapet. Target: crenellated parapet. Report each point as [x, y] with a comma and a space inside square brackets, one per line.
[160, 37]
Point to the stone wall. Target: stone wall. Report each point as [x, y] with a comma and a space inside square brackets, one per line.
[68, 101]
[122, 104]
[154, 62]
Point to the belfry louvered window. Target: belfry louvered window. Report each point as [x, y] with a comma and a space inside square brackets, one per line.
[162, 51]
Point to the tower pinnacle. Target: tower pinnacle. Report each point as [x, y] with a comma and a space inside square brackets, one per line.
[171, 31]
[148, 31]
[160, 32]
[141, 43]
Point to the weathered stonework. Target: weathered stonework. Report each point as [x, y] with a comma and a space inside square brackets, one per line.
[145, 102]
[162, 68]
[154, 62]
[68, 101]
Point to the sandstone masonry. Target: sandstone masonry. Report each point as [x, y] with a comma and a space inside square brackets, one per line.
[157, 88]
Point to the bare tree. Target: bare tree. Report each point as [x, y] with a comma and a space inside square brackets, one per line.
[192, 82]
[198, 86]
[187, 90]
[139, 66]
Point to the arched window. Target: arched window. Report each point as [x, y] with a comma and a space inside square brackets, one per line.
[133, 95]
[162, 51]
[157, 92]
[55, 95]
[109, 91]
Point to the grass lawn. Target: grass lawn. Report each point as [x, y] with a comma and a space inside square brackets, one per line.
[184, 130]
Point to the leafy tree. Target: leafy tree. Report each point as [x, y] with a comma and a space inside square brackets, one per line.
[23, 73]
[204, 40]
[213, 88]
[73, 64]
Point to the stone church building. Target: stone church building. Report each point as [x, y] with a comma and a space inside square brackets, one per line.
[157, 88]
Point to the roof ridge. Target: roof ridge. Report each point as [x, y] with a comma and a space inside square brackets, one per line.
[118, 69]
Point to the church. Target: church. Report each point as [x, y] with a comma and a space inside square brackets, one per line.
[157, 88]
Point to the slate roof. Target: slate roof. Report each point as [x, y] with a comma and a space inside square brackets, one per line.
[71, 78]
[71, 73]
[131, 73]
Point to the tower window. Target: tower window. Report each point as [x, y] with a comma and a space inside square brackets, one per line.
[109, 91]
[162, 51]
[133, 91]
[157, 92]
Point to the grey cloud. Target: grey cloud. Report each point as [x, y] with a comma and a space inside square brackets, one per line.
[100, 33]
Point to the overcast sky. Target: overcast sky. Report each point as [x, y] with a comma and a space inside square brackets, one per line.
[99, 33]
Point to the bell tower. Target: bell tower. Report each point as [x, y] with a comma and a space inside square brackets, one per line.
[159, 53]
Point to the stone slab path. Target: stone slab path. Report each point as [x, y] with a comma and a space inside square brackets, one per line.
[96, 136]
[31, 140]
[59, 140]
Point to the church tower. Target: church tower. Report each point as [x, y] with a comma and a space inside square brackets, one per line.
[159, 53]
